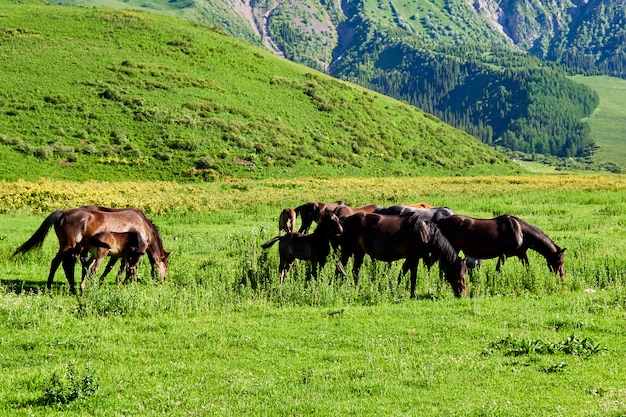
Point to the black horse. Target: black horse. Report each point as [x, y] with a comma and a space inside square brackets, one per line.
[391, 237]
[314, 247]
[501, 237]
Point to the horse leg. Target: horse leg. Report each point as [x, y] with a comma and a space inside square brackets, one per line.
[500, 263]
[68, 263]
[54, 265]
[356, 266]
[405, 268]
[285, 266]
[524, 258]
[109, 266]
[413, 269]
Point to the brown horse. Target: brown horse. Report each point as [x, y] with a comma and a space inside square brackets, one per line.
[313, 211]
[287, 220]
[314, 247]
[129, 246]
[391, 237]
[420, 205]
[74, 227]
[346, 211]
[501, 237]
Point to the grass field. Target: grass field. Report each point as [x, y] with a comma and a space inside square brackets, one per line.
[608, 121]
[223, 337]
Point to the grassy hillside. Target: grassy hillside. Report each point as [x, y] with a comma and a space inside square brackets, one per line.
[608, 121]
[95, 93]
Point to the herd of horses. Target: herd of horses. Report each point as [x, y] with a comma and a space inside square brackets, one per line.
[410, 233]
[402, 232]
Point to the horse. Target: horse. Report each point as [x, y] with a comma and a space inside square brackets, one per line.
[75, 226]
[501, 237]
[313, 211]
[425, 213]
[287, 220]
[346, 211]
[391, 237]
[314, 247]
[420, 205]
[129, 246]
[433, 214]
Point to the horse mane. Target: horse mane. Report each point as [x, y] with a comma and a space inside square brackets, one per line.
[536, 232]
[440, 245]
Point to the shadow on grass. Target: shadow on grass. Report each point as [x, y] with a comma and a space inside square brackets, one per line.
[18, 286]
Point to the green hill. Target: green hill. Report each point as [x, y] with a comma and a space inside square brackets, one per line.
[608, 121]
[95, 93]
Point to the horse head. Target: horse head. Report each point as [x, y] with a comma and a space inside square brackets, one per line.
[556, 262]
[455, 275]
[331, 225]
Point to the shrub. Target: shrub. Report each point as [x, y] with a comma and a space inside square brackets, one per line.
[63, 389]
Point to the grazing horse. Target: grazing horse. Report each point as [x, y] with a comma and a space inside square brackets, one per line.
[129, 246]
[314, 247]
[74, 228]
[346, 211]
[287, 220]
[501, 237]
[390, 237]
[313, 211]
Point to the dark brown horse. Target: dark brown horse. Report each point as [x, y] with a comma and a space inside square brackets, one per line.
[501, 237]
[128, 246]
[390, 237]
[74, 228]
[313, 211]
[314, 247]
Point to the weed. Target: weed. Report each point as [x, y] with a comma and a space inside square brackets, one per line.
[70, 386]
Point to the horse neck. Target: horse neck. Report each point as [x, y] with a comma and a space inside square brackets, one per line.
[537, 240]
[155, 248]
[442, 248]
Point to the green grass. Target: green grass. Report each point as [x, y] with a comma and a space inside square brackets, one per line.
[608, 121]
[223, 337]
[420, 358]
[120, 94]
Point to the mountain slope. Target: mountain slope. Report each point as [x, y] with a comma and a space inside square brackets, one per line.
[398, 48]
[96, 93]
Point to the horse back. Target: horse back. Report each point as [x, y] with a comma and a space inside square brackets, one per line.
[80, 223]
[384, 237]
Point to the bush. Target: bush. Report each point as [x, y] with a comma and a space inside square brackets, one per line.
[63, 389]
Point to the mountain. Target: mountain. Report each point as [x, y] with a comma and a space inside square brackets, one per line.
[93, 93]
[495, 69]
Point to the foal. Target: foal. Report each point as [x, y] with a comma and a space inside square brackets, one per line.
[287, 220]
[127, 245]
[314, 247]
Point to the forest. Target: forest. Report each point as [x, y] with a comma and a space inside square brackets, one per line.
[499, 96]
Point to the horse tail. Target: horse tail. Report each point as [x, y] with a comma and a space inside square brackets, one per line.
[37, 239]
[270, 242]
[298, 209]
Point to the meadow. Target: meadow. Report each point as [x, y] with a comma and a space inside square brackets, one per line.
[223, 337]
[608, 120]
